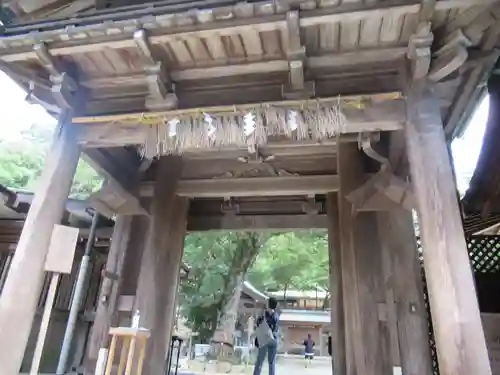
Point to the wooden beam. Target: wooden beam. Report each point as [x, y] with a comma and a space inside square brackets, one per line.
[351, 170]
[460, 341]
[354, 58]
[367, 334]
[398, 236]
[22, 287]
[160, 264]
[118, 195]
[256, 222]
[338, 328]
[249, 187]
[384, 115]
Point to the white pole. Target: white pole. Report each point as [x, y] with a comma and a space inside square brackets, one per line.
[44, 324]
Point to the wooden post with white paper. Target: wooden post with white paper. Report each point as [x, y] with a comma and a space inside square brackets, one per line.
[59, 260]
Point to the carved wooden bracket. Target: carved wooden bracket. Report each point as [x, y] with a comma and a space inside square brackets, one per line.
[113, 200]
[419, 50]
[64, 88]
[450, 57]
[297, 87]
[161, 90]
[384, 190]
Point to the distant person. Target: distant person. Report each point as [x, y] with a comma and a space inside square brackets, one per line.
[309, 349]
[267, 330]
[330, 344]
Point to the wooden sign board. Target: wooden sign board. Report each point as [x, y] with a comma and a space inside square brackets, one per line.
[61, 249]
[491, 327]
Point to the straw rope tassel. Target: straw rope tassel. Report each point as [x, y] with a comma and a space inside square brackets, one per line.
[315, 120]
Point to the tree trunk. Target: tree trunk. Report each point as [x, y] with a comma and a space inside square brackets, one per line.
[247, 248]
[222, 341]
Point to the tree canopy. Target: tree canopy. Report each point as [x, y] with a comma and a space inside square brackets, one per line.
[21, 163]
[285, 261]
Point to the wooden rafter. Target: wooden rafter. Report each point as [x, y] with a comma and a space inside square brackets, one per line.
[383, 112]
[347, 12]
[255, 186]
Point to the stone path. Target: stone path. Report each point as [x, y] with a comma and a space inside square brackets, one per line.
[290, 365]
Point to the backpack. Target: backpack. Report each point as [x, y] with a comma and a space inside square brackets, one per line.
[263, 333]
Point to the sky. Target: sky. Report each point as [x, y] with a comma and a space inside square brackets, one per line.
[18, 115]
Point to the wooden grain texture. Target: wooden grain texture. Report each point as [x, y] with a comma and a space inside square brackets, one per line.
[160, 264]
[99, 35]
[336, 293]
[372, 294]
[22, 287]
[458, 329]
[390, 301]
[397, 230]
[329, 36]
[108, 295]
[367, 333]
[351, 171]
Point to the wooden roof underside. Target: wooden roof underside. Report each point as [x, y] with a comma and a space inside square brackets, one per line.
[242, 53]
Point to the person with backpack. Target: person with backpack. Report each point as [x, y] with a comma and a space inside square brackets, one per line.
[266, 339]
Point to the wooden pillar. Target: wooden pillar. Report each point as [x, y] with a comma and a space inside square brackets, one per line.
[160, 265]
[336, 296]
[460, 341]
[19, 299]
[396, 229]
[367, 334]
[120, 277]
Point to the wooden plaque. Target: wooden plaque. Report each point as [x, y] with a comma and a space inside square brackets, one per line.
[61, 249]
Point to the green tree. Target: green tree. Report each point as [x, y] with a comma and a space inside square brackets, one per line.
[219, 264]
[21, 163]
[292, 260]
[273, 261]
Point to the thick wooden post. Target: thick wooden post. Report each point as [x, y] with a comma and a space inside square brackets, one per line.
[336, 295]
[350, 171]
[367, 334]
[19, 299]
[460, 342]
[160, 265]
[120, 277]
[396, 229]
